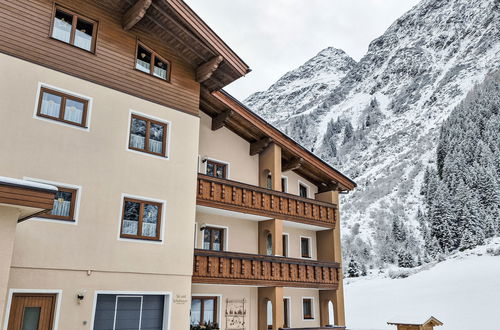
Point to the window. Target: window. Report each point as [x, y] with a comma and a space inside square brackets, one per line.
[303, 190]
[307, 308]
[74, 29]
[64, 205]
[62, 107]
[124, 312]
[286, 312]
[285, 245]
[204, 311]
[284, 184]
[305, 248]
[269, 181]
[213, 239]
[269, 244]
[150, 62]
[148, 136]
[141, 219]
[217, 170]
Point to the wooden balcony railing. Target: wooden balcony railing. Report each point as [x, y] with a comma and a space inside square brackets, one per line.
[221, 267]
[245, 198]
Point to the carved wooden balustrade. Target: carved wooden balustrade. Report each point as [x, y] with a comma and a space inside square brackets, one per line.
[221, 267]
[245, 198]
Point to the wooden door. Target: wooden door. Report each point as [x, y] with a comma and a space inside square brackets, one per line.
[32, 311]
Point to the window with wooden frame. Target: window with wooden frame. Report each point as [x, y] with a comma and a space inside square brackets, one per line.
[141, 219]
[305, 247]
[148, 135]
[213, 239]
[148, 61]
[307, 309]
[216, 169]
[74, 29]
[204, 311]
[64, 205]
[303, 190]
[62, 107]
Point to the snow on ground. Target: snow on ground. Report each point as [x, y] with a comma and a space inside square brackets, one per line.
[463, 292]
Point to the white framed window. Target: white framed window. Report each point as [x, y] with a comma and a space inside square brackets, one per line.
[148, 135]
[303, 189]
[119, 310]
[305, 247]
[142, 219]
[284, 184]
[307, 308]
[215, 167]
[66, 203]
[62, 107]
[214, 237]
[286, 244]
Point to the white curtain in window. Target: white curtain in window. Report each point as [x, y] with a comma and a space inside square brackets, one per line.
[155, 146]
[62, 30]
[137, 141]
[83, 40]
[129, 227]
[143, 66]
[73, 113]
[160, 72]
[61, 208]
[50, 107]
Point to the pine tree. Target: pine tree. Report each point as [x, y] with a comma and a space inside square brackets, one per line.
[353, 269]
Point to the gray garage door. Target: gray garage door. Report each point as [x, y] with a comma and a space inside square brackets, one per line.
[129, 312]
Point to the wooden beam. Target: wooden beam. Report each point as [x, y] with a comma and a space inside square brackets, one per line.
[220, 120]
[292, 164]
[258, 146]
[331, 186]
[206, 70]
[135, 13]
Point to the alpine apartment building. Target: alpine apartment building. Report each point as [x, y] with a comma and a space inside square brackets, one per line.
[136, 194]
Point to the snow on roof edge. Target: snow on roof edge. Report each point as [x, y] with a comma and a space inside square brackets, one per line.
[26, 183]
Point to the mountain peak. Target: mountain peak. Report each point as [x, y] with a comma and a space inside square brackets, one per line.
[299, 86]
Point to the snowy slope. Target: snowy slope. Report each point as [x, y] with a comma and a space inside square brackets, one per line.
[463, 292]
[394, 99]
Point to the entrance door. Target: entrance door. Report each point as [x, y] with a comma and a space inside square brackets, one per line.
[32, 311]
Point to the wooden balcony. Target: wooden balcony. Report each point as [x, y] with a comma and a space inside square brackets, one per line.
[221, 267]
[245, 198]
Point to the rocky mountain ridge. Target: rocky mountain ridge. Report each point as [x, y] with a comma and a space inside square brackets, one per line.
[378, 120]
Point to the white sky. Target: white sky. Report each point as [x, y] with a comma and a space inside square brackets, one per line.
[275, 36]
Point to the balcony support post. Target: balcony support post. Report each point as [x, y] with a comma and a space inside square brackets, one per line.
[329, 250]
[275, 296]
[270, 164]
[275, 228]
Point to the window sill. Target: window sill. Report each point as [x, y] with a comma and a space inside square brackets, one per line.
[82, 49]
[151, 75]
[141, 239]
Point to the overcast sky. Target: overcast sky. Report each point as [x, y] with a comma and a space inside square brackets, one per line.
[275, 36]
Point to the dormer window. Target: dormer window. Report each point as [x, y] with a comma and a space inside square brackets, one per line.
[74, 29]
[151, 63]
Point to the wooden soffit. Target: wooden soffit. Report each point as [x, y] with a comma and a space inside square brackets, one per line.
[256, 130]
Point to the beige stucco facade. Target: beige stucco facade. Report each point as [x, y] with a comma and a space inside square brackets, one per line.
[88, 255]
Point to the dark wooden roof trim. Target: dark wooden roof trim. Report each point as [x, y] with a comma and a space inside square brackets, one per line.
[208, 35]
[135, 13]
[283, 140]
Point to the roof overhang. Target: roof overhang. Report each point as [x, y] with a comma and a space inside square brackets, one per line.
[241, 120]
[28, 197]
[217, 65]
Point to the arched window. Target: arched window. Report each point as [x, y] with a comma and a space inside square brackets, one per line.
[269, 244]
[269, 181]
[269, 314]
[331, 320]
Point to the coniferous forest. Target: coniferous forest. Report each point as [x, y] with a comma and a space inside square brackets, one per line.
[462, 197]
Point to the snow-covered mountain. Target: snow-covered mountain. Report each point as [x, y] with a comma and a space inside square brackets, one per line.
[378, 119]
